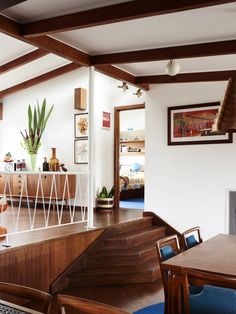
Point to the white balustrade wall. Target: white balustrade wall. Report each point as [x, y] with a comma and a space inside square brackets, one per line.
[40, 200]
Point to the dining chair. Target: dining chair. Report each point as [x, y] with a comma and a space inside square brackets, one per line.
[218, 295]
[189, 237]
[167, 247]
[84, 306]
[40, 299]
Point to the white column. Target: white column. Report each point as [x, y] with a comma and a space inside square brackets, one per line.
[91, 193]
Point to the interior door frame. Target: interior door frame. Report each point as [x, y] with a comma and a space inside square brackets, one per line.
[117, 111]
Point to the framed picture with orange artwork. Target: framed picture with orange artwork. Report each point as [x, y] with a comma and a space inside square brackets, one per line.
[192, 124]
[81, 125]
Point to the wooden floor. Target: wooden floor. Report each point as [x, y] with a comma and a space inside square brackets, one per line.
[129, 297]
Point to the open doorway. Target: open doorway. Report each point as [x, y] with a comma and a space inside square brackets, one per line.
[129, 156]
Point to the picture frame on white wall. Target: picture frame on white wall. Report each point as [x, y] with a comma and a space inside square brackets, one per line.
[81, 125]
[81, 151]
[106, 120]
[193, 124]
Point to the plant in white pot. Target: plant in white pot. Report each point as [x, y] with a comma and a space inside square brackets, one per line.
[104, 200]
[37, 120]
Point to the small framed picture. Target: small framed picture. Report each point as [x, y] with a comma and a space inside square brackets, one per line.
[106, 120]
[81, 125]
[81, 151]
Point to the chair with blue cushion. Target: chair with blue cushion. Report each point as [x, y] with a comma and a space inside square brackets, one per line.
[218, 295]
[189, 237]
[166, 248]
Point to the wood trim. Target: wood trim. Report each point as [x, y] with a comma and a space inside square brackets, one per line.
[51, 45]
[29, 57]
[119, 74]
[187, 77]
[113, 14]
[117, 111]
[5, 4]
[39, 79]
[166, 53]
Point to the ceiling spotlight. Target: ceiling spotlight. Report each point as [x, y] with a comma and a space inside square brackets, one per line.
[124, 87]
[138, 93]
[172, 68]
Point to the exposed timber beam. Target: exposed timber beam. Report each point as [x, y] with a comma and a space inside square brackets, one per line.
[186, 77]
[13, 29]
[52, 45]
[114, 13]
[29, 57]
[5, 4]
[39, 79]
[158, 54]
[119, 74]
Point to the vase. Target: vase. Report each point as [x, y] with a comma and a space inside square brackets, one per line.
[33, 158]
[53, 162]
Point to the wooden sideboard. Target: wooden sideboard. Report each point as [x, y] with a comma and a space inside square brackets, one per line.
[29, 182]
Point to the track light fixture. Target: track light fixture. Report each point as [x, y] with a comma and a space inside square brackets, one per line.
[124, 87]
[172, 68]
[138, 93]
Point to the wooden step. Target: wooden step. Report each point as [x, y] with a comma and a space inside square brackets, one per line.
[147, 272]
[133, 239]
[134, 225]
[119, 258]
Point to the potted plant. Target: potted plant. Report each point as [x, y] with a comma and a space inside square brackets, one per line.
[37, 120]
[104, 200]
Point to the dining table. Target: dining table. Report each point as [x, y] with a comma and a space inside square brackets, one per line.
[216, 255]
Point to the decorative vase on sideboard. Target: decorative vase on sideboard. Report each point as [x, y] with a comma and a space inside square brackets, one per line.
[53, 162]
[33, 158]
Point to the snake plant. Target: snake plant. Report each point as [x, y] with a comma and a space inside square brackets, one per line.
[37, 120]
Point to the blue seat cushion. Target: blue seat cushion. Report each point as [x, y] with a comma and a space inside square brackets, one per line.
[191, 241]
[213, 300]
[167, 252]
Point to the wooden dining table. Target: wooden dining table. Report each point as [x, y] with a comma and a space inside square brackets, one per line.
[216, 255]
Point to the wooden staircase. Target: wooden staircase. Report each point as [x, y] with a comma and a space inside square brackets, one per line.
[124, 253]
[226, 118]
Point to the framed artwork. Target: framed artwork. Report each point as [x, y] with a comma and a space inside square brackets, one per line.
[106, 120]
[81, 151]
[192, 124]
[81, 125]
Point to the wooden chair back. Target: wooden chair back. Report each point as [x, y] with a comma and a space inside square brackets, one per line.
[187, 233]
[196, 278]
[84, 306]
[173, 241]
[43, 299]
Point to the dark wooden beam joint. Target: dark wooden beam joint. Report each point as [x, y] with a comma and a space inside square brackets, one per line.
[121, 75]
[112, 14]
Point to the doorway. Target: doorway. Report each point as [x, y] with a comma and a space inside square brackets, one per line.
[129, 159]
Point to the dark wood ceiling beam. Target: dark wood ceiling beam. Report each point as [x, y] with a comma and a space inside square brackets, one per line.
[4, 4]
[119, 74]
[29, 57]
[52, 45]
[114, 13]
[186, 77]
[39, 79]
[13, 29]
[158, 54]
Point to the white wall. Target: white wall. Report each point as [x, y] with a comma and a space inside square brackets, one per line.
[59, 131]
[108, 96]
[186, 185]
[134, 119]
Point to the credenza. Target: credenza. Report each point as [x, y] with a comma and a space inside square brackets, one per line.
[23, 184]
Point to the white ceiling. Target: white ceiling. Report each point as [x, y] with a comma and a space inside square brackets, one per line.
[210, 24]
[30, 70]
[33, 10]
[201, 25]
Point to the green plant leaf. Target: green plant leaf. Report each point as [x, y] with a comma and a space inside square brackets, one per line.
[35, 121]
[47, 117]
[29, 119]
[111, 193]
